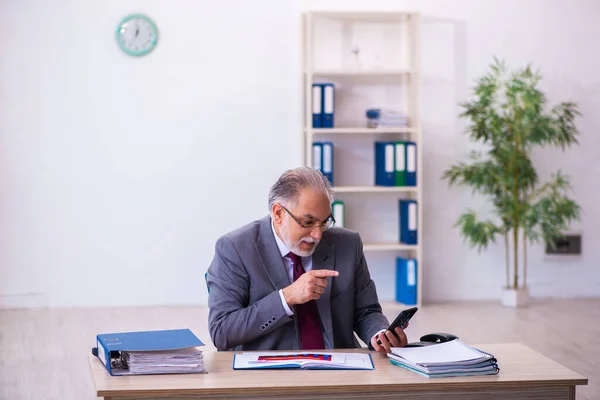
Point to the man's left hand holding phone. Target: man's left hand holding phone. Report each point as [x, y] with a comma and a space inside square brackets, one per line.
[394, 335]
[389, 339]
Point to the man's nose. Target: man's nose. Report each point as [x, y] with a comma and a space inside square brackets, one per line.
[316, 233]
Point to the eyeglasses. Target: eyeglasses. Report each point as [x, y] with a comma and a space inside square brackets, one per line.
[310, 223]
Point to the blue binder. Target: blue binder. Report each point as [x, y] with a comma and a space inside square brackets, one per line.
[408, 221]
[110, 345]
[327, 161]
[384, 164]
[317, 156]
[406, 281]
[328, 105]
[411, 163]
[323, 159]
[317, 105]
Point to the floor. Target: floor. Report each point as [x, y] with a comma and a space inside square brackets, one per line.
[43, 352]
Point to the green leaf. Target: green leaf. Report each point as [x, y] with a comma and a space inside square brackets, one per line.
[477, 233]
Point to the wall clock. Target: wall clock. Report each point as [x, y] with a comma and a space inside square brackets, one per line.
[136, 35]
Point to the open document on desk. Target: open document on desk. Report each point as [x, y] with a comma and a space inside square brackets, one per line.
[150, 352]
[302, 360]
[453, 358]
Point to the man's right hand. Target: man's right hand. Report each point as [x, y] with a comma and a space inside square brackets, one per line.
[310, 286]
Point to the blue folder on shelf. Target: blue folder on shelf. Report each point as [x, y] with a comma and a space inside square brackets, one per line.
[150, 352]
[317, 107]
[384, 163]
[406, 281]
[408, 221]
[411, 164]
[317, 156]
[323, 159]
[328, 105]
[328, 161]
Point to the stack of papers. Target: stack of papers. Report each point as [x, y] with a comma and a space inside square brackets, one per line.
[453, 358]
[164, 362]
[303, 360]
[382, 117]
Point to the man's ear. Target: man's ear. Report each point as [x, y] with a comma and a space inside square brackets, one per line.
[277, 212]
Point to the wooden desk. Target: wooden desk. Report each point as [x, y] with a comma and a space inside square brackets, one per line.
[524, 374]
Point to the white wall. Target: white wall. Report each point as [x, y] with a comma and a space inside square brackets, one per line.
[113, 189]
[118, 174]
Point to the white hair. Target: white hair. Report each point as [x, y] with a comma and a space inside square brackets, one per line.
[289, 185]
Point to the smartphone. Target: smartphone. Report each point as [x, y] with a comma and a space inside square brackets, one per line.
[401, 320]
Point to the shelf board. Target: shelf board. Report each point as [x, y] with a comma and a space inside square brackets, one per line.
[363, 131]
[358, 72]
[363, 16]
[374, 189]
[366, 74]
[390, 77]
[388, 246]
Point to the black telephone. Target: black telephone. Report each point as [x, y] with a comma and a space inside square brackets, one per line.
[433, 338]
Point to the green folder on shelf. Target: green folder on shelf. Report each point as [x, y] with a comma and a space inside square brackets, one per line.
[400, 161]
[338, 211]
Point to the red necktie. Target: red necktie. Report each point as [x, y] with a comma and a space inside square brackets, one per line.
[309, 323]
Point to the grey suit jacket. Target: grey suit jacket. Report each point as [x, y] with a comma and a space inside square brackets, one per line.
[247, 271]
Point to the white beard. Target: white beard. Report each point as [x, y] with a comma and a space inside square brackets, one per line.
[295, 247]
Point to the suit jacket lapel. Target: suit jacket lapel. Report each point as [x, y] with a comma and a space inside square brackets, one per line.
[268, 252]
[323, 258]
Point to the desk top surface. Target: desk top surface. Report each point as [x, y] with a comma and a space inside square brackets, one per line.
[519, 365]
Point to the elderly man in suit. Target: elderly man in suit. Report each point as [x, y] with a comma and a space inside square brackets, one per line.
[292, 280]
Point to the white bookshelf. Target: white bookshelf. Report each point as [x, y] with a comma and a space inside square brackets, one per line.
[372, 73]
[374, 189]
[364, 16]
[387, 67]
[380, 76]
[362, 131]
[388, 247]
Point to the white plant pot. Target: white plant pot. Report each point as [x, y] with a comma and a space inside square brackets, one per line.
[515, 298]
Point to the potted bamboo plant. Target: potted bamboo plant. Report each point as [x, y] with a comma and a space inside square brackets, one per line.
[509, 115]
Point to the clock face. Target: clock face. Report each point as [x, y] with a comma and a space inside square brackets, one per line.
[137, 35]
